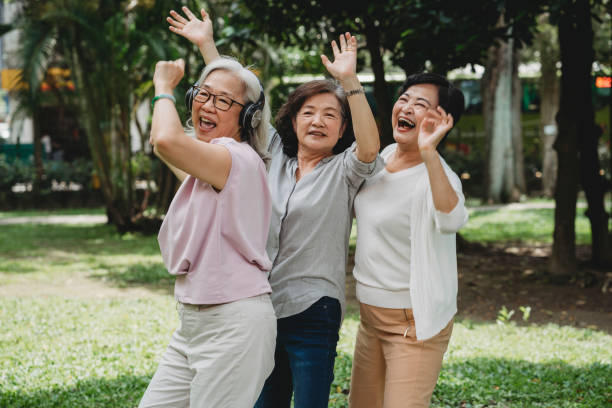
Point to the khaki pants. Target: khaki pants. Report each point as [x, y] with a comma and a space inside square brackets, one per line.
[391, 368]
[219, 357]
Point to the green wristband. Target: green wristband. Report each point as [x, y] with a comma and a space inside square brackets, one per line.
[162, 96]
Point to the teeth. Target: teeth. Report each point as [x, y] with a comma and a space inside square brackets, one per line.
[406, 123]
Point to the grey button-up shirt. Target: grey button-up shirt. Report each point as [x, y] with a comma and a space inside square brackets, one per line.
[310, 226]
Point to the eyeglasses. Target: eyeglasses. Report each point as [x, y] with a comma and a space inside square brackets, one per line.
[221, 102]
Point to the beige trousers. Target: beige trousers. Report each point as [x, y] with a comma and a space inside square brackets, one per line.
[391, 368]
[219, 357]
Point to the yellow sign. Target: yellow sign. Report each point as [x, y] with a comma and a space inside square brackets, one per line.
[11, 79]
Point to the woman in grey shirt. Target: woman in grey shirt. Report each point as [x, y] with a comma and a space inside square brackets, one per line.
[315, 172]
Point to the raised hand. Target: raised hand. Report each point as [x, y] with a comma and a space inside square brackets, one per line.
[345, 58]
[168, 74]
[195, 30]
[433, 128]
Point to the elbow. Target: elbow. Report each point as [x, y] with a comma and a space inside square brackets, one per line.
[368, 154]
[368, 157]
[161, 143]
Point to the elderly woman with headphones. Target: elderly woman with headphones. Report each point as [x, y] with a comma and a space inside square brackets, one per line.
[214, 238]
[315, 172]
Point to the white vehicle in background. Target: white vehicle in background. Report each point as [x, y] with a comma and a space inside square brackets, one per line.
[5, 131]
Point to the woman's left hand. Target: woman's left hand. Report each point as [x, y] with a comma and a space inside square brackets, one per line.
[434, 126]
[345, 58]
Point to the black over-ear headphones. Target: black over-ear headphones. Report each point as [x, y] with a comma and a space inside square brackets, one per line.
[250, 115]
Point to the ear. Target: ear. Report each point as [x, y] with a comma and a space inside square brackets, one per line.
[342, 130]
[293, 124]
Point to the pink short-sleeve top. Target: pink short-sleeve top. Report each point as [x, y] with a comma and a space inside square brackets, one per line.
[215, 242]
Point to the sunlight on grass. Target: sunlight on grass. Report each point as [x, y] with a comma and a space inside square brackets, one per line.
[83, 351]
[43, 213]
[89, 345]
[528, 226]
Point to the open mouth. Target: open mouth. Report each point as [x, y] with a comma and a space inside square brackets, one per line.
[405, 123]
[316, 133]
[207, 124]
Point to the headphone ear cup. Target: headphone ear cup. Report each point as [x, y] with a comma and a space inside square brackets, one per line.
[250, 115]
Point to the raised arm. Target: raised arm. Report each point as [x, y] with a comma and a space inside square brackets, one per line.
[344, 69]
[205, 161]
[199, 32]
[433, 128]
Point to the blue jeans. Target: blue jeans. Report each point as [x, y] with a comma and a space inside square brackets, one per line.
[304, 358]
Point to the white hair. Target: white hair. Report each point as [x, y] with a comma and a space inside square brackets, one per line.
[258, 138]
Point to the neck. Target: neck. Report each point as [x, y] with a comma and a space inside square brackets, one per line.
[408, 156]
[307, 160]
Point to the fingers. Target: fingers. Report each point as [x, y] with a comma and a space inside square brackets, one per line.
[188, 13]
[343, 42]
[335, 49]
[178, 17]
[352, 42]
[326, 62]
[204, 14]
[180, 63]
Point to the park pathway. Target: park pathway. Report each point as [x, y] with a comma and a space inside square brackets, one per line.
[55, 219]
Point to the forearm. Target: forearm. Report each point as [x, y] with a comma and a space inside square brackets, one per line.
[364, 125]
[209, 51]
[166, 125]
[444, 196]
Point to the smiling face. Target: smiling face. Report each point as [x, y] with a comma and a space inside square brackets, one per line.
[209, 122]
[410, 109]
[319, 123]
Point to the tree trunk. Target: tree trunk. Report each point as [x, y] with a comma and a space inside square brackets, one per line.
[570, 125]
[520, 185]
[588, 140]
[547, 45]
[500, 158]
[381, 92]
[501, 90]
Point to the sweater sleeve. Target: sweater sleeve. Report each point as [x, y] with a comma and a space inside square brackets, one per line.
[450, 223]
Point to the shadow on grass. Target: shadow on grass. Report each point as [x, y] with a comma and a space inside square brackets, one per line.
[154, 275]
[487, 382]
[475, 382]
[124, 391]
[23, 240]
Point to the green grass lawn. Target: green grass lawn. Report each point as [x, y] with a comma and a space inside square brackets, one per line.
[86, 314]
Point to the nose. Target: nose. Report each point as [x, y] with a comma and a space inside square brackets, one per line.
[209, 105]
[407, 108]
[317, 119]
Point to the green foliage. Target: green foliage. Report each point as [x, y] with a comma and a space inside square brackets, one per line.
[504, 315]
[526, 311]
[78, 171]
[14, 172]
[110, 48]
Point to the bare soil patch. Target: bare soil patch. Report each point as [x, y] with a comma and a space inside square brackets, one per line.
[515, 275]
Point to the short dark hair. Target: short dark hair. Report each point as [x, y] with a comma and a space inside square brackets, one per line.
[287, 112]
[449, 98]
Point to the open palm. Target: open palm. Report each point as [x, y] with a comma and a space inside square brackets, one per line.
[345, 58]
[195, 30]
